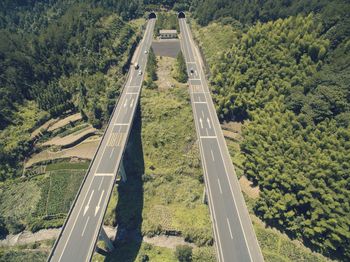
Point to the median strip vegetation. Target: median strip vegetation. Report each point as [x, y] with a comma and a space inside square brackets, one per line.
[163, 194]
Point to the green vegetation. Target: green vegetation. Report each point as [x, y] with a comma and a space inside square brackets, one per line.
[164, 188]
[37, 251]
[228, 11]
[172, 180]
[54, 61]
[41, 201]
[183, 253]
[146, 252]
[216, 37]
[152, 65]
[66, 165]
[151, 70]
[166, 21]
[180, 69]
[288, 81]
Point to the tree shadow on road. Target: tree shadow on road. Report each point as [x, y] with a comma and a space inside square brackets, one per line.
[128, 212]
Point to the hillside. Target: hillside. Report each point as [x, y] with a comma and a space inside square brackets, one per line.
[53, 62]
[285, 76]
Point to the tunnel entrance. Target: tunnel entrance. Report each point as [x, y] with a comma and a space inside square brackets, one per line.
[181, 15]
[152, 16]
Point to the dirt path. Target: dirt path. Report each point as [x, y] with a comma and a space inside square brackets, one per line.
[65, 121]
[70, 139]
[164, 73]
[247, 187]
[85, 150]
[167, 241]
[27, 237]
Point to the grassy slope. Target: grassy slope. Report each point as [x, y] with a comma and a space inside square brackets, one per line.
[37, 252]
[24, 122]
[173, 193]
[213, 39]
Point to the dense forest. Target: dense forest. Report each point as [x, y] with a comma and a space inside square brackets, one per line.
[59, 60]
[287, 78]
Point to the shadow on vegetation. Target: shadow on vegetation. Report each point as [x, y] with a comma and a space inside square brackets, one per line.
[128, 212]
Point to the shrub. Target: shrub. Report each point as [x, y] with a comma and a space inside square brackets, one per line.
[183, 253]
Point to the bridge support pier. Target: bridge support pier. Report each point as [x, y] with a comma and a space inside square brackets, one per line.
[122, 172]
[103, 236]
[204, 197]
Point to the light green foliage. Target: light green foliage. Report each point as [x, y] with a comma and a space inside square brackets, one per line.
[22, 255]
[278, 247]
[58, 191]
[41, 201]
[270, 71]
[133, 251]
[206, 254]
[14, 140]
[66, 165]
[37, 251]
[22, 194]
[214, 39]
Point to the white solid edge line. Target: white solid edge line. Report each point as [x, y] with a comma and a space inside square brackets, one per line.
[92, 246]
[69, 234]
[104, 174]
[211, 206]
[239, 217]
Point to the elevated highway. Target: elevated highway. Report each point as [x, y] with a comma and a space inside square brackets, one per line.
[233, 231]
[81, 230]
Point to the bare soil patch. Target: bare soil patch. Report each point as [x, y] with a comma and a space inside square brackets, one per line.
[71, 139]
[164, 73]
[167, 241]
[248, 188]
[166, 47]
[85, 150]
[65, 121]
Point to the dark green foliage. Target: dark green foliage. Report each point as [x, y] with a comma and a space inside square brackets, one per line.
[51, 55]
[181, 71]
[152, 65]
[290, 78]
[3, 229]
[183, 253]
[248, 11]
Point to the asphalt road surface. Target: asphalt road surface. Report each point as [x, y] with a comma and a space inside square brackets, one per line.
[233, 231]
[79, 235]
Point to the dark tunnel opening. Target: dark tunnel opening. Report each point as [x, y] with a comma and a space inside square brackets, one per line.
[181, 15]
[152, 16]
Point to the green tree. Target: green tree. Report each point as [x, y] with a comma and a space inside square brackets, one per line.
[181, 71]
[183, 253]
